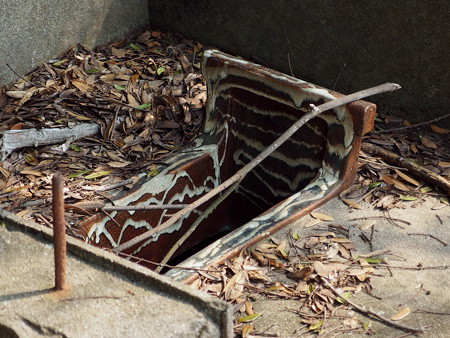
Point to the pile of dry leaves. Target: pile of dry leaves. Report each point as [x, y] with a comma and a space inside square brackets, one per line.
[401, 164]
[321, 275]
[146, 94]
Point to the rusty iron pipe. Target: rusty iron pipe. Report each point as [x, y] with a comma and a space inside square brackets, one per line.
[59, 231]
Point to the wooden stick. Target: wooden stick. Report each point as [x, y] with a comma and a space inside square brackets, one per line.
[369, 312]
[11, 140]
[415, 169]
[240, 174]
[194, 225]
[413, 126]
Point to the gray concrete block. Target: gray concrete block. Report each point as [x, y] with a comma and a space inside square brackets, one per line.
[33, 32]
[107, 296]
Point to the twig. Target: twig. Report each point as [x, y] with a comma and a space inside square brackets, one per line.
[417, 268]
[415, 169]
[271, 293]
[100, 206]
[15, 73]
[413, 126]
[167, 265]
[111, 186]
[429, 235]
[432, 312]
[240, 174]
[194, 225]
[369, 312]
[380, 217]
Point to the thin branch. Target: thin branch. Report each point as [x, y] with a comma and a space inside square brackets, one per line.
[381, 217]
[15, 73]
[413, 168]
[240, 174]
[194, 225]
[429, 235]
[369, 312]
[413, 126]
[432, 312]
[139, 259]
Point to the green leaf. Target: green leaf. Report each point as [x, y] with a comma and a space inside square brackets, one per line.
[79, 173]
[374, 184]
[74, 147]
[316, 326]
[378, 119]
[311, 288]
[98, 174]
[249, 318]
[91, 71]
[342, 299]
[444, 200]
[135, 46]
[152, 173]
[371, 260]
[295, 236]
[367, 325]
[407, 198]
[59, 121]
[60, 62]
[3, 223]
[144, 106]
[424, 190]
[131, 63]
[160, 70]
[119, 87]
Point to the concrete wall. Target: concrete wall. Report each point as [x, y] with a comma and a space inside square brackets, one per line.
[403, 41]
[32, 32]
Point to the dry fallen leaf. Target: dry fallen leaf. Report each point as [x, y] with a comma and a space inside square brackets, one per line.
[320, 216]
[367, 225]
[407, 178]
[439, 130]
[429, 143]
[351, 203]
[401, 314]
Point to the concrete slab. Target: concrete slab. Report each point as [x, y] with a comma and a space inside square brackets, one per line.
[108, 296]
[424, 287]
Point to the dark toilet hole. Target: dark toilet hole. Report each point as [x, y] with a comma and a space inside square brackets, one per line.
[288, 170]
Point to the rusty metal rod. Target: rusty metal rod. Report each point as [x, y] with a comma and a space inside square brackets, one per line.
[59, 231]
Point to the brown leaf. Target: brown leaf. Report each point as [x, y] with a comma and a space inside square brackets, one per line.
[320, 269]
[235, 286]
[367, 224]
[301, 274]
[351, 203]
[82, 85]
[439, 130]
[407, 178]
[320, 216]
[401, 314]
[429, 143]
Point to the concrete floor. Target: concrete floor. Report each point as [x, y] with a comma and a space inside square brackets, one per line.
[427, 289]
